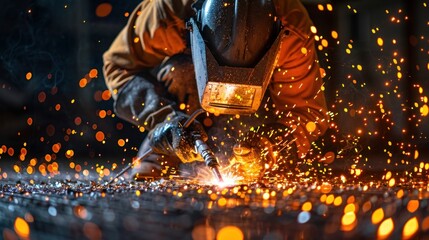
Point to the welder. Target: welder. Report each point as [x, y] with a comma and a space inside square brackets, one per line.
[174, 57]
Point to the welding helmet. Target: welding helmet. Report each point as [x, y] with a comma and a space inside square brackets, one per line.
[235, 45]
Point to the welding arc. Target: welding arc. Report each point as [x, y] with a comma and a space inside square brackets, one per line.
[201, 146]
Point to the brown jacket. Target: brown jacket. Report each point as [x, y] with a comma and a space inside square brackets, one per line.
[156, 30]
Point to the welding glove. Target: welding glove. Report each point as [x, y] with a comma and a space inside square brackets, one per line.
[257, 151]
[171, 138]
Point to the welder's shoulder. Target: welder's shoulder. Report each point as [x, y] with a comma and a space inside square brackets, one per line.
[294, 17]
[164, 8]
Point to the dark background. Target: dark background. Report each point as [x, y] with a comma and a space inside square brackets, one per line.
[59, 42]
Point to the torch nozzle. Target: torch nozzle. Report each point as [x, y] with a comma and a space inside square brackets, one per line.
[216, 172]
[209, 157]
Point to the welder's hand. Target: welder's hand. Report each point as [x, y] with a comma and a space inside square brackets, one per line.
[252, 156]
[257, 151]
[171, 138]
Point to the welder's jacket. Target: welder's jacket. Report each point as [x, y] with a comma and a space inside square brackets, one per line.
[156, 30]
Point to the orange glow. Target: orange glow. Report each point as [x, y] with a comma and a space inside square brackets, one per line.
[266, 196]
[424, 110]
[348, 218]
[386, 228]
[324, 43]
[221, 202]
[330, 199]
[42, 169]
[338, 201]
[21, 228]
[102, 113]
[10, 151]
[351, 207]
[56, 147]
[310, 126]
[57, 107]
[322, 72]
[121, 142]
[334, 34]
[182, 106]
[392, 182]
[412, 206]
[30, 170]
[213, 196]
[307, 206]
[48, 157]
[16, 168]
[69, 153]
[388, 175]
[106, 95]
[29, 121]
[28, 76]
[410, 228]
[230, 233]
[23, 151]
[377, 216]
[99, 136]
[33, 162]
[83, 82]
[400, 193]
[93, 73]
[380, 42]
[103, 10]
[106, 172]
[80, 211]
[78, 168]
[325, 187]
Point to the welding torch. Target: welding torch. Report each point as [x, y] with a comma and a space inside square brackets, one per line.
[201, 147]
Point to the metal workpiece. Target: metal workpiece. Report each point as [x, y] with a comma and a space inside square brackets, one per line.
[180, 209]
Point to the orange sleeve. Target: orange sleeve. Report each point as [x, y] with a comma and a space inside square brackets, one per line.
[296, 88]
[155, 30]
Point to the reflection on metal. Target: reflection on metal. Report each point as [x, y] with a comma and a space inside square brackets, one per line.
[179, 208]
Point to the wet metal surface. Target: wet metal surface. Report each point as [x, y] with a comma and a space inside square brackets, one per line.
[177, 209]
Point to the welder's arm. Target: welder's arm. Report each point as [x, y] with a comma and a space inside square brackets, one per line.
[154, 32]
[297, 92]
